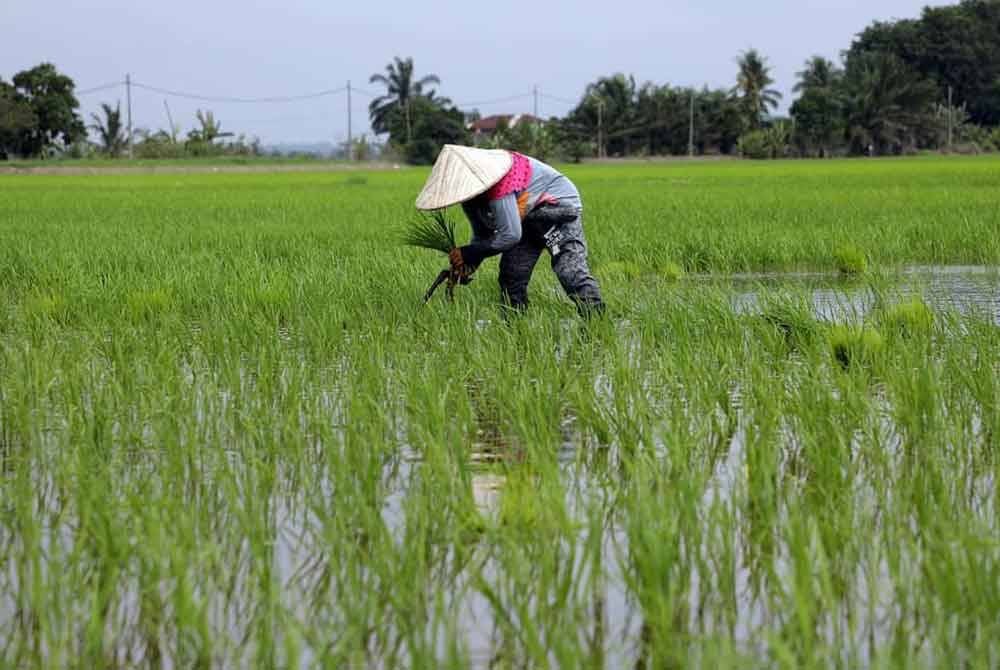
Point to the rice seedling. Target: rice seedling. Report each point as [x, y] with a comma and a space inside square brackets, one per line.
[231, 436]
[435, 231]
[850, 260]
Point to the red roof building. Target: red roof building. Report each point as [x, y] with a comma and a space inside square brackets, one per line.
[487, 126]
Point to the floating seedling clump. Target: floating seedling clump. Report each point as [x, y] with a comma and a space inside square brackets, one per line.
[850, 260]
[910, 318]
[855, 345]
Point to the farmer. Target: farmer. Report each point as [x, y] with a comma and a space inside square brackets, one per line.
[518, 207]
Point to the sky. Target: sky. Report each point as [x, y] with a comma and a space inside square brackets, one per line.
[483, 52]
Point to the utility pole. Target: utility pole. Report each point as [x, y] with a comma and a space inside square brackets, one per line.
[951, 121]
[691, 127]
[128, 108]
[536, 100]
[350, 143]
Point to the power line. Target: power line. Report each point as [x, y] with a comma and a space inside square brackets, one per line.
[98, 89]
[495, 101]
[212, 98]
[368, 93]
[558, 99]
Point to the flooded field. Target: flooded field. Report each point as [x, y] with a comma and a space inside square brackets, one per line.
[231, 436]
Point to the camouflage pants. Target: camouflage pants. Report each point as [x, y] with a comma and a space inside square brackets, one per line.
[570, 266]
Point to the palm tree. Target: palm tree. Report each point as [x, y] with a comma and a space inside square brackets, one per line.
[400, 89]
[211, 129]
[818, 73]
[887, 100]
[751, 89]
[110, 129]
[608, 105]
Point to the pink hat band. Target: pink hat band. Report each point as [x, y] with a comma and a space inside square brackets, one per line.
[516, 179]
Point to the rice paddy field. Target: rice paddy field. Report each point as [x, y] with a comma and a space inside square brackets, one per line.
[231, 436]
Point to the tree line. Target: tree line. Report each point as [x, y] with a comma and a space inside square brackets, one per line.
[929, 83]
[39, 115]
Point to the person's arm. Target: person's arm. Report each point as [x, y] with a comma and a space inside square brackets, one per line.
[507, 232]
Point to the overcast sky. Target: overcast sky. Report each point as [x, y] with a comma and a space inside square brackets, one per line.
[481, 50]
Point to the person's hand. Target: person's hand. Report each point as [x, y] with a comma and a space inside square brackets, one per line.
[458, 264]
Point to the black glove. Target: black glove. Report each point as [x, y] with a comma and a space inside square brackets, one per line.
[472, 257]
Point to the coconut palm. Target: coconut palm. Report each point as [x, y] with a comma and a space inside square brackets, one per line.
[110, 129]
[608, 106]
[751, 89]
[818, 73]
[887, 101]
[400, 89]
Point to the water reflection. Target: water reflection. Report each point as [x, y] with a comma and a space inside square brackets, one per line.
[965, 289]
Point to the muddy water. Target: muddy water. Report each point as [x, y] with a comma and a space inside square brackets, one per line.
[966, 289]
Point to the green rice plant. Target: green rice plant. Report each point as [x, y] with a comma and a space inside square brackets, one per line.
[433, 231]
[47, 306]
[148, 304]
[850, 260]
[855, 345]
[231, 436]
[620, 270]
[793, 318]
[909, 318]
[670, 271]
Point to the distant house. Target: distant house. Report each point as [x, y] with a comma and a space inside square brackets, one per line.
[485, 128]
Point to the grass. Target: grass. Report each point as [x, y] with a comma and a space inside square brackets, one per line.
[231, 436]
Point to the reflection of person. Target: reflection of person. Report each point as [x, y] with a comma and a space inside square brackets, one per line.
[517, 206]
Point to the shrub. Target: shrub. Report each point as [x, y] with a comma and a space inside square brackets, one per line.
[754, 145]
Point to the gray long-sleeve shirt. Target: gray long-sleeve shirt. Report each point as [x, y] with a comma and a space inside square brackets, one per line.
[496, 224]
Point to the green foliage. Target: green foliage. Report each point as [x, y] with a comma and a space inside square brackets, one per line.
[110, 130]
[532, 139]
[52, 119]
[754, 144]
[754, 97]
[433, 126]
[17, 119]
[770, 142]
[650, 119]
[145, 305]
[231, 435]
[401, 89]
[855, 345]
[433, 231]
[909, 318]
[850, 260]
[200, 140]
[954, 45]
[670, 270]
[887, 103]
[160, 144]
[819, 110]
[620, 270]
[793, 319]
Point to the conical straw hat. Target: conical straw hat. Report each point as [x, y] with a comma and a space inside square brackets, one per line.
[461, 173]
